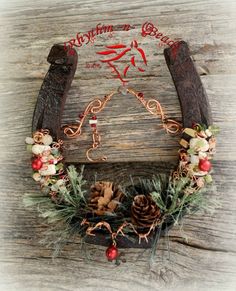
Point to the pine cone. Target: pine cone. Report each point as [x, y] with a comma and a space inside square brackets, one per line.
[104, 197]
[144, 211]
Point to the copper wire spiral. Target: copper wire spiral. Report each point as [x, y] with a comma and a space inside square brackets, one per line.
[152, 105]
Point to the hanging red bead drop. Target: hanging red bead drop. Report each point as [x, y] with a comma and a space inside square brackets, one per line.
[112, 252]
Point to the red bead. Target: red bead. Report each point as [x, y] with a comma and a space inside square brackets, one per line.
[71, 52]
[94, 117]
[36, 164]
[93, 125]
[140, 94]
[112, 252]
[81, 115]
[204, 165]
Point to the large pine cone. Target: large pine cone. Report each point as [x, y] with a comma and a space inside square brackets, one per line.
[105, 197]
[144, 211]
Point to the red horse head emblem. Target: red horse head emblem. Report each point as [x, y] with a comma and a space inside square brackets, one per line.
[131, 53]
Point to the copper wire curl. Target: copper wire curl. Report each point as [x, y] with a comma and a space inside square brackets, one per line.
[152, 105]
[91, 228]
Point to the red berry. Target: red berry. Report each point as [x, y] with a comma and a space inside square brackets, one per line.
[204, 165]
[37, 164]
[112, 252]
[140, 94]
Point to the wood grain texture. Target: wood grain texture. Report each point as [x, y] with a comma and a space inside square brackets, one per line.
[204, 261]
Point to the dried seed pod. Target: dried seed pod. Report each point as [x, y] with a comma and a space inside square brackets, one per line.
[104, 197]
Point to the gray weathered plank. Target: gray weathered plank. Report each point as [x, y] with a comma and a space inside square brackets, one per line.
[207, 260]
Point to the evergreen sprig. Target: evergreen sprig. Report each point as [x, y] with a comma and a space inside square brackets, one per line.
[174, 197]
[77, 182]
[71, 198]
[66, 214]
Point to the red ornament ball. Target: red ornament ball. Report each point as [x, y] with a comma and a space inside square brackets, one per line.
[37, 164]
[112, 252]
[204, 165]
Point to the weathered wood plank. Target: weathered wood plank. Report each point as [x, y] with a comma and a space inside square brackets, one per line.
[203, 238]
[206, 261]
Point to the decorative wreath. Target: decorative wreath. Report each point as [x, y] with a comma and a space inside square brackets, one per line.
[103, 209]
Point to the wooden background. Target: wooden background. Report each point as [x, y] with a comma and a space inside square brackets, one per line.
[200, 255]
